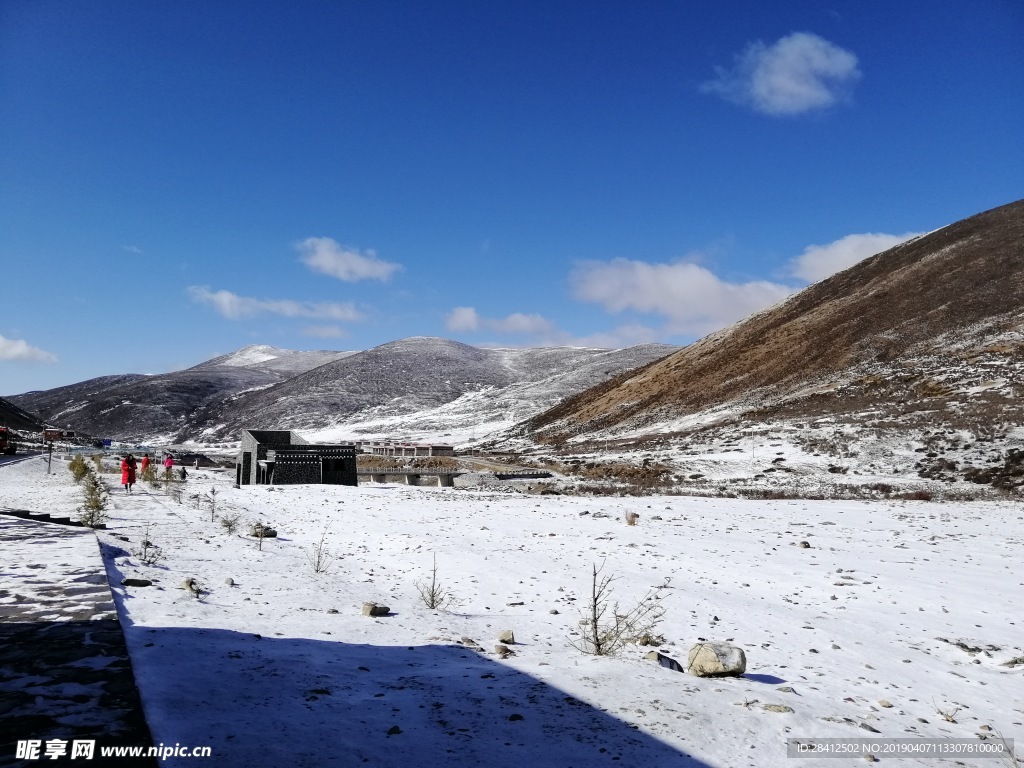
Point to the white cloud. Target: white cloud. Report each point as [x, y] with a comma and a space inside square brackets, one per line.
[820, 261]
[618, 338]
[796, 74]
[327, 256]
[18, 349]
[462, 319]
[518, 322]
[692, 298]
[235, 307]
[543, 332]
[324, 332]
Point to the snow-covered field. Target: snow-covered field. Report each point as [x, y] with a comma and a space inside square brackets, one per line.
[870, 631]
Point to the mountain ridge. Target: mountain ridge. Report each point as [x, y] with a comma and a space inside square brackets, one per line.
[917, 328]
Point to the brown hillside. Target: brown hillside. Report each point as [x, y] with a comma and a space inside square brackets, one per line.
[951, 292]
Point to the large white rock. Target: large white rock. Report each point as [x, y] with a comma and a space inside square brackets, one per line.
[716, 660]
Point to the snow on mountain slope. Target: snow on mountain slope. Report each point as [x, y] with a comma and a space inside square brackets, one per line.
[422, 386]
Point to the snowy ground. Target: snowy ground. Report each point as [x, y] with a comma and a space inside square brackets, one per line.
[872, 626]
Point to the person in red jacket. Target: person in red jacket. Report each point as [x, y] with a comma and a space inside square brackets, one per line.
[145, 464]
[128, 472]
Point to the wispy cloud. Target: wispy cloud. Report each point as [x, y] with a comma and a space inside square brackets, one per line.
[541, 332]
[691, 298]
[795, 74]
[132, 249]
[468, 319]
[235, 307]
[820, 261]
[21, 350]
[324, 332]
[327, 256]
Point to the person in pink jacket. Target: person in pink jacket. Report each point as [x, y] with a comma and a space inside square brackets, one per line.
[168, 461]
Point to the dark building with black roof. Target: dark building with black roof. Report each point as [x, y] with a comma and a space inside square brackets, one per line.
[280, 457]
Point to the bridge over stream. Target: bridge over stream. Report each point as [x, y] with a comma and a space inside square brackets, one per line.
[443, 478]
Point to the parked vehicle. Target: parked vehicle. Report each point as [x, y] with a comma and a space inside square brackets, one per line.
[7, 443]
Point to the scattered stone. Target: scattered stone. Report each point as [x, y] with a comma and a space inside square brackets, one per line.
[261, 531]
[372, 609]
[504, 651]
[332, 610]
[191, 586]
[885, 704]
[229, 581]
[805, 545]
[777, 708]
[867, 727]
[785, 689]
[666, 661]
[520, 603]
[394, 730]
[553, 611]
[716, 660]
[507, 637]
[515, 717]
[136, 583]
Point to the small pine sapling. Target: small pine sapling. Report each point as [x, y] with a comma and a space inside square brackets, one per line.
[79, 469]
[434, 594]
[92, 513]
[230, 523]
[211, 499]
[148, 552]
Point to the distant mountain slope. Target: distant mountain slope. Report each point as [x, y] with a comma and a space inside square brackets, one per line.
[285, 361]
[934, 326]
[134, 406]
[415, 377]
[17, 418]
[428, 384]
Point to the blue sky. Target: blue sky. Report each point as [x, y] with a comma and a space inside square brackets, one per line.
[180, 179]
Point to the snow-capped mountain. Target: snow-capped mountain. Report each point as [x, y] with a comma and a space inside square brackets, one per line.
[139, 406]
[421, 387]
[417, 387]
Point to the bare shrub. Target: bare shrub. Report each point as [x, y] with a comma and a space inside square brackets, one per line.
[211, 501]
[605, 630]
[174, 490]
[148, 552]
[918, 495]
[434, 594]
[319, 555]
